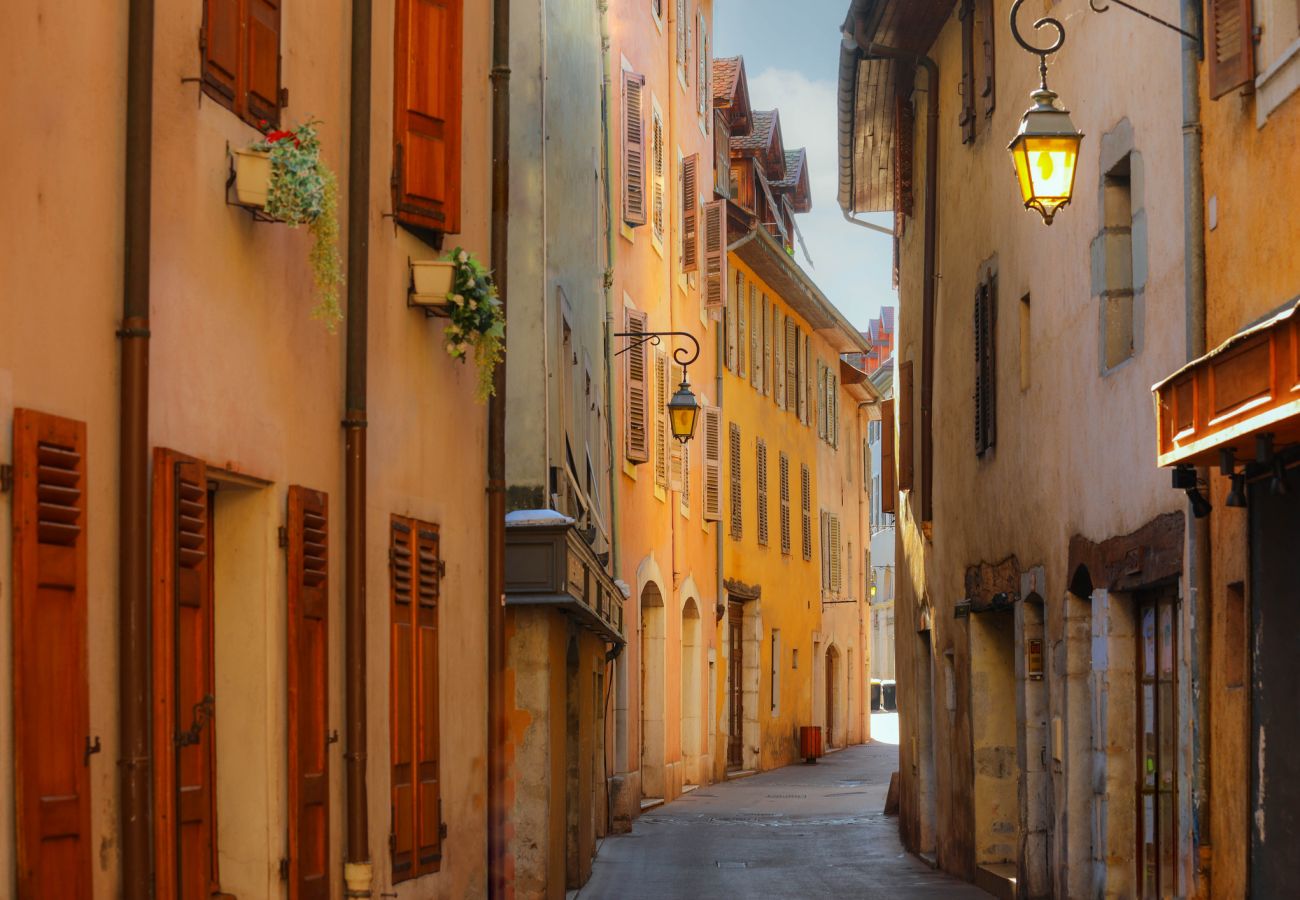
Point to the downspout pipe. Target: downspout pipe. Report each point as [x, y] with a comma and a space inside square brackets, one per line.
[134, 664]
[358, 872]
[496, 462]
[863, 223]
[1198, 543]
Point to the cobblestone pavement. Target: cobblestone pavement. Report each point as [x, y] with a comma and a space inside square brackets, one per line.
[798, 832]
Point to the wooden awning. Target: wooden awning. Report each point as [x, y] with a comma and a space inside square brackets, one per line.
[1249, 385]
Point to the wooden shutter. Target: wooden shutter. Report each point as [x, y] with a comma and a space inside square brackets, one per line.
[402, 698]
[637, 386]
[904, 410]
[660, 418]
[690, 213]
[712, 464]
[634, 208]
[805, 381]
[219, 41]
[781, 358]
[755, 339]
[988, 74]
[715, 253]
[657, 174]
[760, 470]
[51, 713]
[967, 118]
[836, 553]
[790, 381]
[262, 58]
[428, 802]
[784, 475]
[985, 367]
[737, 290]
[805, 502]
[184, 693]
[823, 532]
[427, 114]
[308, 705]
[734, 466]
[888, 488]
[1230, 45]
[721, 155]
[742, 334]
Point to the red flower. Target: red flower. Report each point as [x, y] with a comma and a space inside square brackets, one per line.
[273, 136]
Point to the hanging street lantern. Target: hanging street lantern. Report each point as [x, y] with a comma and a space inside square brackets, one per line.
[683, 411]
[1045, 151]
[683, 408]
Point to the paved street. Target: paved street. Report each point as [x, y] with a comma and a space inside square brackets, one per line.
[802, 831]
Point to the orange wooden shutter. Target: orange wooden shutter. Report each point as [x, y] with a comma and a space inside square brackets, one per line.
[262, 58]
[805, 503]
[715, 254]
[1230, 45]
[690, 213]
[427, 114]
[712, 464]
[219, 45]
[784, 474]
[308, 655]
[888, 488]
[401, 838]
[51, 690]
[733, 461]
[904, 411]
[428, 802]
[634, 210]
[760, 471]
[637, 384]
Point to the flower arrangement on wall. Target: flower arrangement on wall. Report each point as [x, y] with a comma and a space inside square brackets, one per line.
[477, 320]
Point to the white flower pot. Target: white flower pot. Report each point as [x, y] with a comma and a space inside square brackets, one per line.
[252, 177]
[431, 282]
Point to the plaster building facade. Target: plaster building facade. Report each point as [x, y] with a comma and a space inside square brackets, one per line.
[1041, 613]
[880, 523]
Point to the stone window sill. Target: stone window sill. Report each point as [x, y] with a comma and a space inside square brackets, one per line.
[1276, 83]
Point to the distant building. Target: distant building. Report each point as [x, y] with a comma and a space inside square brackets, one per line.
[880, 591]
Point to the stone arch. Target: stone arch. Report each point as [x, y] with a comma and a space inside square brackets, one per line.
[1081, 582]
[692, 688]
[833, 718]
[653, 738]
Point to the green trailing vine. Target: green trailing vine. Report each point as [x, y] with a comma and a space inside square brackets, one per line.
[304, 191]
[477, 320]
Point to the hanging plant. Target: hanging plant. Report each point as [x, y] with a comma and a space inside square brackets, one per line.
[303, 191]
[476, 319]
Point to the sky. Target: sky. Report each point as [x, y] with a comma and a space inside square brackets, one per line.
[791, 50]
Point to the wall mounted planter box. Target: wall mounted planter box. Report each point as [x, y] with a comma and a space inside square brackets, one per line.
[431, 282]
[252, 177]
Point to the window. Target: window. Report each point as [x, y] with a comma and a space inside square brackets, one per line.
[790, 379]
[637, 392]
[634, 208]
[657, 165]
[713, 224]
[734, 465]
[1117, 290]
[760, 471]
[903, 407]
[986, 319]
[703, 79]
[778, 358]
[712, 464]
[755, 340]
[805, 504]
[690, 213]
[977, 69]
[415, 575]
[239, 46]
[784, 474]
[427, 112]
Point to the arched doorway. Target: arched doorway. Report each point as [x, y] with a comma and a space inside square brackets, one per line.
[832, 667]
[652, 692]
[691, 690]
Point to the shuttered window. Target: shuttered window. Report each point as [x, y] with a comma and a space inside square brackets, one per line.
[824, 535]
[784, 475]
[415, 581]
[659, 416]
[239, 50]
[684, 498]
[821, 400]
[986, 83]
[888, 488]
[703, 79]
[427, 114]
[634, 206]
[733, 463]
[780, 357]
[733, 317]
[690, 213]
[985, 366]
[1230, 45]
[51, 712]
[805, 379]
[755, 340]
[760, 471]
[966, 12]
[714, 237]
[712, 464]
[636, 380]
[790, 381]
[836, 555]
[657, 167]
[768, 338]
[721, 155]
[805, 504]
[308, 703]
[904, 411]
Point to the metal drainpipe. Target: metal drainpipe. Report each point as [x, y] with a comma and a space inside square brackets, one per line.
[717, 527]
[358, 872]
[1198, 544]
[496, 462]
[134, 765]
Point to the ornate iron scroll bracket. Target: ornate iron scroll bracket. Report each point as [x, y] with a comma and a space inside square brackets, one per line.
[1146, 15]
[683, 356]
[1041, 52]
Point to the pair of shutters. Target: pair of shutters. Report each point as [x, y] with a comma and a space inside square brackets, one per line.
[986, 318]
[415, 578]
[239, 45]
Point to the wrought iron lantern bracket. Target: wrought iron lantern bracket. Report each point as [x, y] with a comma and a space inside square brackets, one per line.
[683, 356]
[1146, 15]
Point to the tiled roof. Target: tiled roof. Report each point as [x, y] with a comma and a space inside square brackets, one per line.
[794, 163]
[726, 71]
[760, 137]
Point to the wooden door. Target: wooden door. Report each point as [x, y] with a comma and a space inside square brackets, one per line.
[308, 702]
[52, 745]
[736, 736]
[1157, 705]
[830, 700]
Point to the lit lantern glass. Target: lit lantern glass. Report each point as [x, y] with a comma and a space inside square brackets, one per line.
[683, 410]
[1045, 153]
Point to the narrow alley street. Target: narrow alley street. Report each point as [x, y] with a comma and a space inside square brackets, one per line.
[800, 831]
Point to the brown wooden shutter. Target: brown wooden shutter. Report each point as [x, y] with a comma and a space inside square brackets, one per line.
[308, 706]
[634, 208]
[1230, 45]
[737, 290]
[760, 469]
[690, 213]
[659, 415]
[967, 118]
[721, 155]
[784, 475]
[888, 487]
[791, 379]
[714, 228]
[51, 714]
[755, 340]
[428, 799]
[836, 554]
[219, 42]
[985, 367]
[427, 114]
[737, 505]
[742, 334]
[904, 410]
[823, 534]
[780, 358]
[262, 58]
[637, 385]
[805, 502]
[676, 450]
[988, 79]
[712, 464]
[402, 699]
[184, 692]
